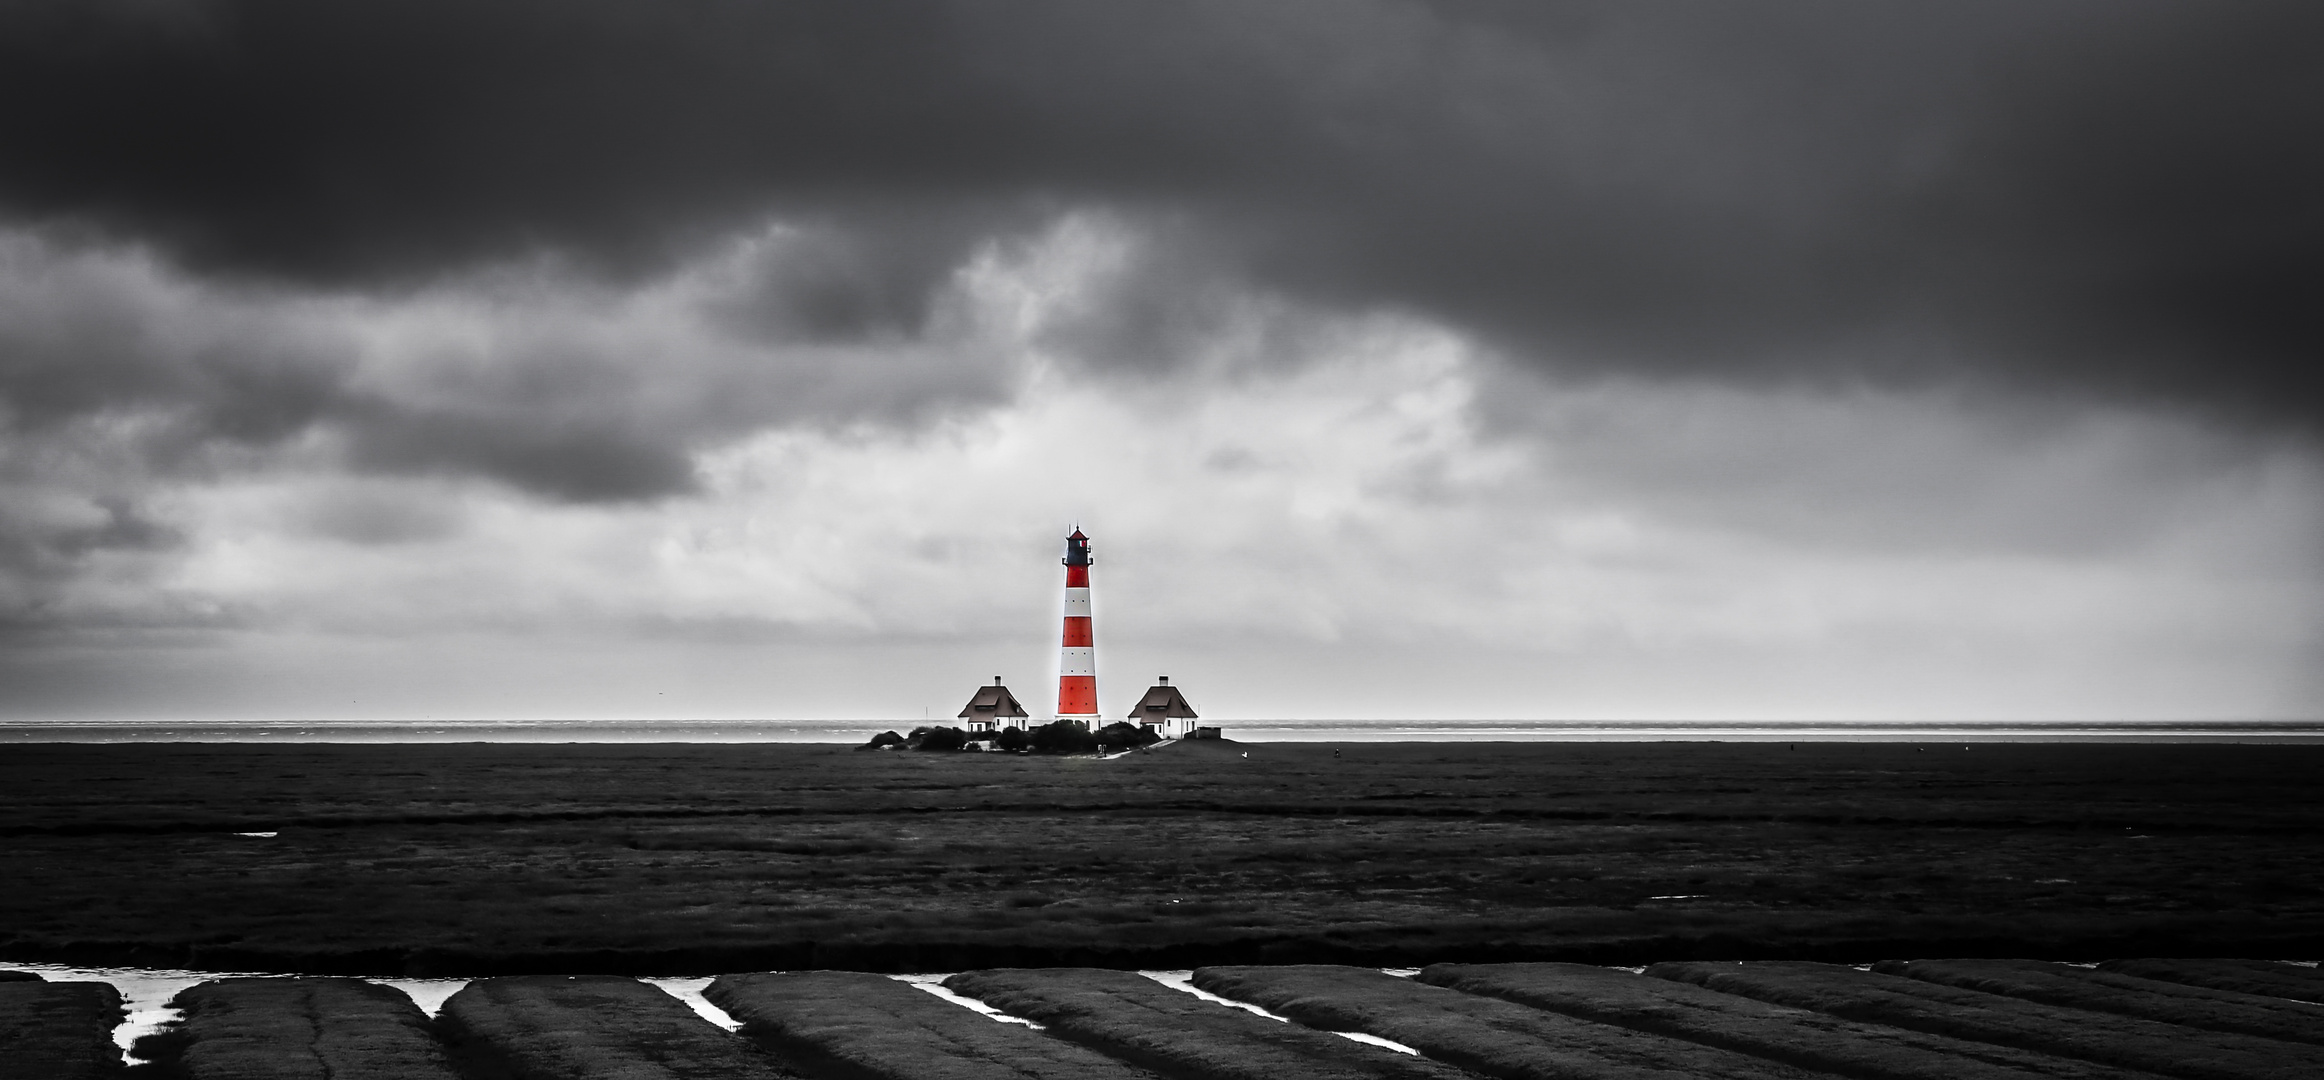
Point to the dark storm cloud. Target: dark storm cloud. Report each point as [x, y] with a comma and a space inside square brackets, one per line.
[2120, 198]
[83, 340]
[47, 549]
[114, 369]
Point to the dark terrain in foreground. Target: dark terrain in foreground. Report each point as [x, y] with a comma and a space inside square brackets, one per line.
[1774, 1020]
[696, 859]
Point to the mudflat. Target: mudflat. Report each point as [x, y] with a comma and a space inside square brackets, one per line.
[487, 859]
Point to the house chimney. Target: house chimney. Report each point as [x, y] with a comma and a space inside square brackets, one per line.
[996, 680]
[1165, 679]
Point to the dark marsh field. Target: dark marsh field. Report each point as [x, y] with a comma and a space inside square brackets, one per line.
[489, 859]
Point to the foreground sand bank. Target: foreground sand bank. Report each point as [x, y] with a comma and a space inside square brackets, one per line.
[1756, 1021]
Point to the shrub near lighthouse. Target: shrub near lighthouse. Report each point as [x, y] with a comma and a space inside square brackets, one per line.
[1077, 658]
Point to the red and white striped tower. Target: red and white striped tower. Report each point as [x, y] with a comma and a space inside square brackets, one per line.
[1077, 660]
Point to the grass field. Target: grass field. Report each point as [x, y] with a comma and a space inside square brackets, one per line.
[699, 859]
[846, 1025]
[57, 1030]
[1181, 1036]
[2263, 977]
[2101, 991]
[1486, 1036]
[1801, 1037]
[581, 1027]
[2132, 1043]
[291, 1029]
[1529, 1021]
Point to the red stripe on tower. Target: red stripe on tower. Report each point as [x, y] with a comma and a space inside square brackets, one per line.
[1077, 660]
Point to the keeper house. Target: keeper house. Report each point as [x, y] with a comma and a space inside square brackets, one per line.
[992, 709]
[1164, 712]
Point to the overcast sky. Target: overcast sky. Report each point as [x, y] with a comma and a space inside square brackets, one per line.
[1802, 360]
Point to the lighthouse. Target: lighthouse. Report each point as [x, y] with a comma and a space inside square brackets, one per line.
[1077, 660]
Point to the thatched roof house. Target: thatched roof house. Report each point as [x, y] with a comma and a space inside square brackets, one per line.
[992, 709]
[1164, 710]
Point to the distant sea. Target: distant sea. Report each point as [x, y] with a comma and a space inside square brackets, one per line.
[857, 731]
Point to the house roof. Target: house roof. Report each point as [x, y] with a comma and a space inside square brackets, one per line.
[1162, 702]
[994, 700]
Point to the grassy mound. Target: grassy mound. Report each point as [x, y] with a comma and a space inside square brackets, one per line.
[855, 1026]
[582, 1027]
[58, 1030]
[295, 1029]
[2128, 995]
[1910, 1003]
[1179, 1035]
[1485, 1035]
[2265, 977]
[1801, 1037]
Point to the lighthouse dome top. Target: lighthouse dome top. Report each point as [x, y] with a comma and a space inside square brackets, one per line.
[1077, 549]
